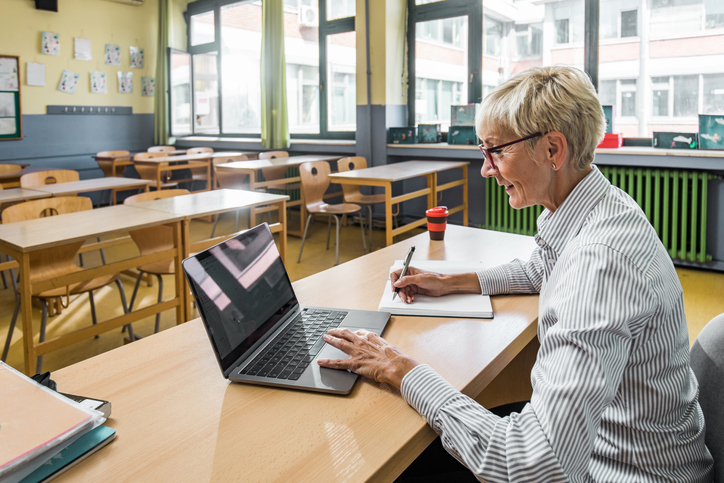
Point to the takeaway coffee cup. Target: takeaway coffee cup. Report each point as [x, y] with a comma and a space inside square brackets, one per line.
[437, 222]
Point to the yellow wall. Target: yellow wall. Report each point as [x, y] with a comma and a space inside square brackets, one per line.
[21, 27]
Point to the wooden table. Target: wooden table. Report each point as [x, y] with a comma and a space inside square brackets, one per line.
[20, 240]
[13, 195]
[385, 175]
[12, 180]
[252, 167]
[95, 184]
[178, 419]
[204, 203]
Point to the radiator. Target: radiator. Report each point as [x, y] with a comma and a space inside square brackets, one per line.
[674, 202]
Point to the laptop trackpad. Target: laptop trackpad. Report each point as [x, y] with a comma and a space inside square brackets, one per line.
[330, 352]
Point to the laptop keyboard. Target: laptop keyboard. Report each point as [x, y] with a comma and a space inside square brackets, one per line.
[295, 348]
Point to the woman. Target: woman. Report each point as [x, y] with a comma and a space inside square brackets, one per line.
[613, 397]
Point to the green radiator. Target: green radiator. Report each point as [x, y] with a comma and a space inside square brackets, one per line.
[674, 201]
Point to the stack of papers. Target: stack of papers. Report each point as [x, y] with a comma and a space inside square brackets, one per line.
[453, 305]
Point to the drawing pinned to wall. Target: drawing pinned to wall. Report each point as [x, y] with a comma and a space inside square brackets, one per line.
[50, 44]
[125, 82]
[35, 75]
[7, 105]
[98, 82]
[68, 81]
[148, 86]
[136, 57]
[82, 49]
[9, 79]
[113, 54]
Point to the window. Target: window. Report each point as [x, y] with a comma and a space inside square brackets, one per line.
[220, 93]
[629, 23]
[714, 14]
[628, 97]
[528, 40]
[492, 36]
[660, 86]
[713, 102]
[562, 31]
[686, 95]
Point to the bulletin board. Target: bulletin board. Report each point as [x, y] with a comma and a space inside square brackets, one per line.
[11, 123]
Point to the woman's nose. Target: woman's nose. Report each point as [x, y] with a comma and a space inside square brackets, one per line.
[488, 169]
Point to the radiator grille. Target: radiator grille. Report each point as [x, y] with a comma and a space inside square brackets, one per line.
[674, 201]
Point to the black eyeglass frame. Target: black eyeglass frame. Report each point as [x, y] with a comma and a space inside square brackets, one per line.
[488, 152]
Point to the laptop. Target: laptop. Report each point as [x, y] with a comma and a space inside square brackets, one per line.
[257, 328]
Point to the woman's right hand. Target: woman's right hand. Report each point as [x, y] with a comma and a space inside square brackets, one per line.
[434, 284]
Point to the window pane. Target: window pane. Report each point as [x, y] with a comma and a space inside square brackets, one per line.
[342, 97]
[713, 94]
[714, 14]
[629, 25]
[607, 92]
[522, 42]
[628, 104]
[340, 9]
[240, 67]
[686, 95]
[301, 49]
[661, 102]
[180, 76]
[206, 94]
[202, 28]
[441, 69]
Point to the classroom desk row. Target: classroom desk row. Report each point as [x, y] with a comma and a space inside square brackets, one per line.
[178, 419]
[24, 239]
[14, 195]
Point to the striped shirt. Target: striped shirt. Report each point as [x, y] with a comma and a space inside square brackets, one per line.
[614, 398]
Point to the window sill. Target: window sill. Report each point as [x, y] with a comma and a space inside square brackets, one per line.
[341, 146]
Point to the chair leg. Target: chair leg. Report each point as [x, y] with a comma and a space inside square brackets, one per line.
[369, 226]
[94, 317]
[304, 237]
[122, 293]
[336, 221]
[131, 335]
[160, 299]
[361, 225]
[43, 323]
[11, 328]
[216, 222]
[103, 255]
[329, 226]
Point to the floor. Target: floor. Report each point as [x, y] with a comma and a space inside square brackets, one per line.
[702, 292]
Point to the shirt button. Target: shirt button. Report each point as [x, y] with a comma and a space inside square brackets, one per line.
[541, 242]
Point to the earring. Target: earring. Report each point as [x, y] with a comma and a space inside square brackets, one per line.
[553, 165]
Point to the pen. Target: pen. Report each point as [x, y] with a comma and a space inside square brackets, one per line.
[404, 269]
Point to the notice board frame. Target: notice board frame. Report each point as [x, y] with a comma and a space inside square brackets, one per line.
[7, 92]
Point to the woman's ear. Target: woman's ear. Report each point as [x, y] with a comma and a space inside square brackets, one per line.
[556, 149]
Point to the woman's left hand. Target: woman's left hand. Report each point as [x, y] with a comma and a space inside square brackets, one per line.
[370, 356]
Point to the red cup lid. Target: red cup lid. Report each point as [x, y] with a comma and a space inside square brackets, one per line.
[437, 211]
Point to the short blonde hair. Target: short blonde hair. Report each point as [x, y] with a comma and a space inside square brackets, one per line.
[545, 99]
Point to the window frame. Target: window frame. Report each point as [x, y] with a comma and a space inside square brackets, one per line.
[326, 28]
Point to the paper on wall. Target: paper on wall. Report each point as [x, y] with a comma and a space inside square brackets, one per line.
[68, 81]
[98, 82]
[7, 104]
[82, 49]
[35, 74]
[113, 54]
[7, 126]
[125, 82]
[148, 86]
[136, 57]
[50, 43]
[9, 79]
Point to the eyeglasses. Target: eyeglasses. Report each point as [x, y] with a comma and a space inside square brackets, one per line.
[488, 152]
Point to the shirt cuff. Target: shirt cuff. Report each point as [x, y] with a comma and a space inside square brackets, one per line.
[426, 391]
[494, 281]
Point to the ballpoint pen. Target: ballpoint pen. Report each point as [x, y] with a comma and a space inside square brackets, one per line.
[404, 268]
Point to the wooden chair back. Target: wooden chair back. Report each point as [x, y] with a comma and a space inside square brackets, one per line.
[154, 195]
[147, 172]
[315, 181]
[50, 176]
[106, 165]
[274, 173]
[108, 154]
[161, 149]
[348, 164]
[7, 168]
[199, 150]
[229, 179]
[53, 261]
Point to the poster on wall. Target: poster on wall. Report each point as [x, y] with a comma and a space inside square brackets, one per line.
[82, 49]
[11, 123]
[50, 44]
[148, 86]
[125, 82]
[98, 82]
[35, 75]
[136, 57]
[113, 54]
[68, 81]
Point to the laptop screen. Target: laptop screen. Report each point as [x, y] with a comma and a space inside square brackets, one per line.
[242, 290]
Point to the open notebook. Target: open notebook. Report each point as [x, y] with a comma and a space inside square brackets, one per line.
[453, 305]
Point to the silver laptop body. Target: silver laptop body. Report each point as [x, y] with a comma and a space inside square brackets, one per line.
[246, 301]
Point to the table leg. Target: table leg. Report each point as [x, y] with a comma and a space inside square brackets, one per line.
[432, 187]
[26, 312]
[388, 214]
[183, 247]
[465, 196]
[283, 233]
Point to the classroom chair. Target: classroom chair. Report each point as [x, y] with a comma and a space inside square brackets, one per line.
[150, 240]
[50, 176]
[229, 180]
[315, 181]
[55, 261]
[161, 149]
[707, 362]
[150, 172]
[109, 170]
[7, 168]
[352, 193]
[199, 174]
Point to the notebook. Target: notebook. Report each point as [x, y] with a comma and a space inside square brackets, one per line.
[257, 328]
[452, 305]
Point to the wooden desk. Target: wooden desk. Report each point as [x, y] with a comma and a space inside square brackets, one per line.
[95, 184]
[385, 175]
[20, 240]
[12, 180]
[171, 163]
[113, 165]
[252, 167]
[204, 203]
[178, 419]
[13, 195]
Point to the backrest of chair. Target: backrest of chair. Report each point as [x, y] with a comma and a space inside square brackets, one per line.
[276, 172]
[228, 178]
[147, 172]
[149, 155]
[7, 168]
[154, 195]
[315, 181]
[348, 164]
[108, 154]
[273, 154]
[199, 150]
[707, 362]
[161, 149]
[50, 176]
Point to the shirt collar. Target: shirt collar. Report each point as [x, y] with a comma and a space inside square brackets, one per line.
[558, 228]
